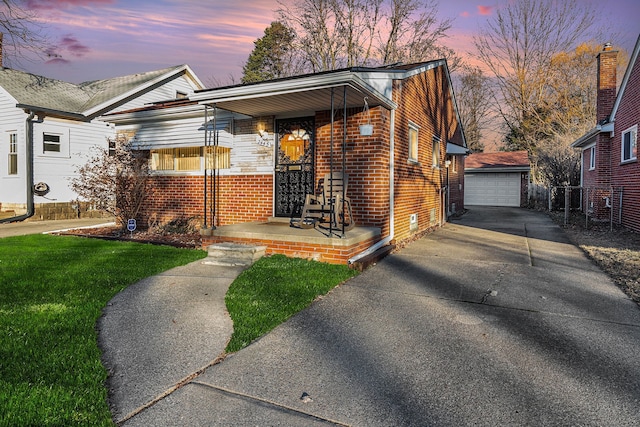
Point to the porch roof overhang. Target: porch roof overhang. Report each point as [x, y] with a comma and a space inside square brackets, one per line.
[288, 97]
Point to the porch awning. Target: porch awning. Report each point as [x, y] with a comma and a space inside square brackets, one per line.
[296, 95]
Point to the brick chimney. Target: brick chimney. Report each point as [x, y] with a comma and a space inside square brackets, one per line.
[607, 80]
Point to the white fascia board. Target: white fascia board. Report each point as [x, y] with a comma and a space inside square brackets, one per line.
[262, 90]
[586, 138]
[105, 105]
[198, 85]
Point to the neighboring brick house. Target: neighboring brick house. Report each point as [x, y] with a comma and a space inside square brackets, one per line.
[276, 139]
[610, 173]
[497, 179]
[48, 128]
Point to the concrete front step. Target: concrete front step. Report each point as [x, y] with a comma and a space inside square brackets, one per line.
[233, 254]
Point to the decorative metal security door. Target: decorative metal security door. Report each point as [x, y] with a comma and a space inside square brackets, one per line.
[294, 164]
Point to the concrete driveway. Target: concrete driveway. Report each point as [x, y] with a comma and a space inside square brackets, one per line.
[496, 319]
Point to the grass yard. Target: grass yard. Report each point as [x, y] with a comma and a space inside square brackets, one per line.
[274, 289]
[52, 291]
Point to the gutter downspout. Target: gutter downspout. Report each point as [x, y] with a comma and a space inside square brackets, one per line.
[386, 240]
[29, 154]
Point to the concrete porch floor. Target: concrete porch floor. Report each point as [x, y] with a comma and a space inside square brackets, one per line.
[315, 243]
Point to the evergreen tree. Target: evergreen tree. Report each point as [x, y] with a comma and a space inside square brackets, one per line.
[270, 58]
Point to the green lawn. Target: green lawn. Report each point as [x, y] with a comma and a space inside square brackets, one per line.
[52, 291]
[274, 289]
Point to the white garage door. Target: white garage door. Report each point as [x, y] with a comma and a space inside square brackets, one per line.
[492, 189]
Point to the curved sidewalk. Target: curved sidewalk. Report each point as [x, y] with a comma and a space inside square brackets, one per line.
[161, 332]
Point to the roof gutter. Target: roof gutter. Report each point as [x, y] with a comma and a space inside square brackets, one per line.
[29, 154]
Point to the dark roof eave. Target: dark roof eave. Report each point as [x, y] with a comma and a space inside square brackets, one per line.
[498, 169]
[54, 113]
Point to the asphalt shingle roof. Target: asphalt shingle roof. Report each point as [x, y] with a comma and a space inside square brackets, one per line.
[43, 92]
[503, 159]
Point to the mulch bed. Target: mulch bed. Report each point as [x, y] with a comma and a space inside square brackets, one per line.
[180, 240]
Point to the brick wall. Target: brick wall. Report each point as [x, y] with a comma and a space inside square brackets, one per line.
[242, 198]
[366, 162]
[627, 175]
[425, 101]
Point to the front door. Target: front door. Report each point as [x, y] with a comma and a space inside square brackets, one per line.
[294, 164]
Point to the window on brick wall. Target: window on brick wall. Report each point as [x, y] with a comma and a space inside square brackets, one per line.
[176, 159]
[630, 144]
[592, 158]
[13, 154]
[189, 159]
[435, 162]
[413, 142]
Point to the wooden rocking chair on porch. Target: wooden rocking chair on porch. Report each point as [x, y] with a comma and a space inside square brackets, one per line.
[329, 205]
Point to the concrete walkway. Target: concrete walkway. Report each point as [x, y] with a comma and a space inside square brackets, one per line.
[496, 319]
[36, 227]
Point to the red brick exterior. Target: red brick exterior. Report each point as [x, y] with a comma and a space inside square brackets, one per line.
[242, 198]
[607, 65]
[627, 175]
[423, 99]
[610, 174]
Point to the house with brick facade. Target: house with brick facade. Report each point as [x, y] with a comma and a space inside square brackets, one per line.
[48, 128]
[242, 158]
[610, 171]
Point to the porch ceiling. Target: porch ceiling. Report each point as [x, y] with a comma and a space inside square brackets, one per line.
[291, 97]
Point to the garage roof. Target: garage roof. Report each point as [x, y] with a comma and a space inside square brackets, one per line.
[504, 161]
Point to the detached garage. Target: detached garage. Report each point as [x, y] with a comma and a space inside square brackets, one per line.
[497, 179]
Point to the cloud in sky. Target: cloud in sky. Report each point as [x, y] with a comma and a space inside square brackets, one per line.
[485, 10]
[68, 44]
[57, 4]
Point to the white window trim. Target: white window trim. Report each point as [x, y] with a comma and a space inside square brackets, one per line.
[634, 142]
[435, 160]
[13, 145]
[416, 128]
[592, 157]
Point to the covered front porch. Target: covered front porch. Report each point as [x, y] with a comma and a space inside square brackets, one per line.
[319, 243]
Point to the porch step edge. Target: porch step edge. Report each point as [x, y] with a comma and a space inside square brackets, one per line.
[233, 254]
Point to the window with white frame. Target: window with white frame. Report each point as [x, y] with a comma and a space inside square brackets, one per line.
[630, 144]
[592, 158]
[413, 142]
[13, 154]
[50, 143]
[435, 162]
[189, 158]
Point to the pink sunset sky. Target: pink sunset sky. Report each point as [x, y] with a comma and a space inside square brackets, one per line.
[98, 39]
